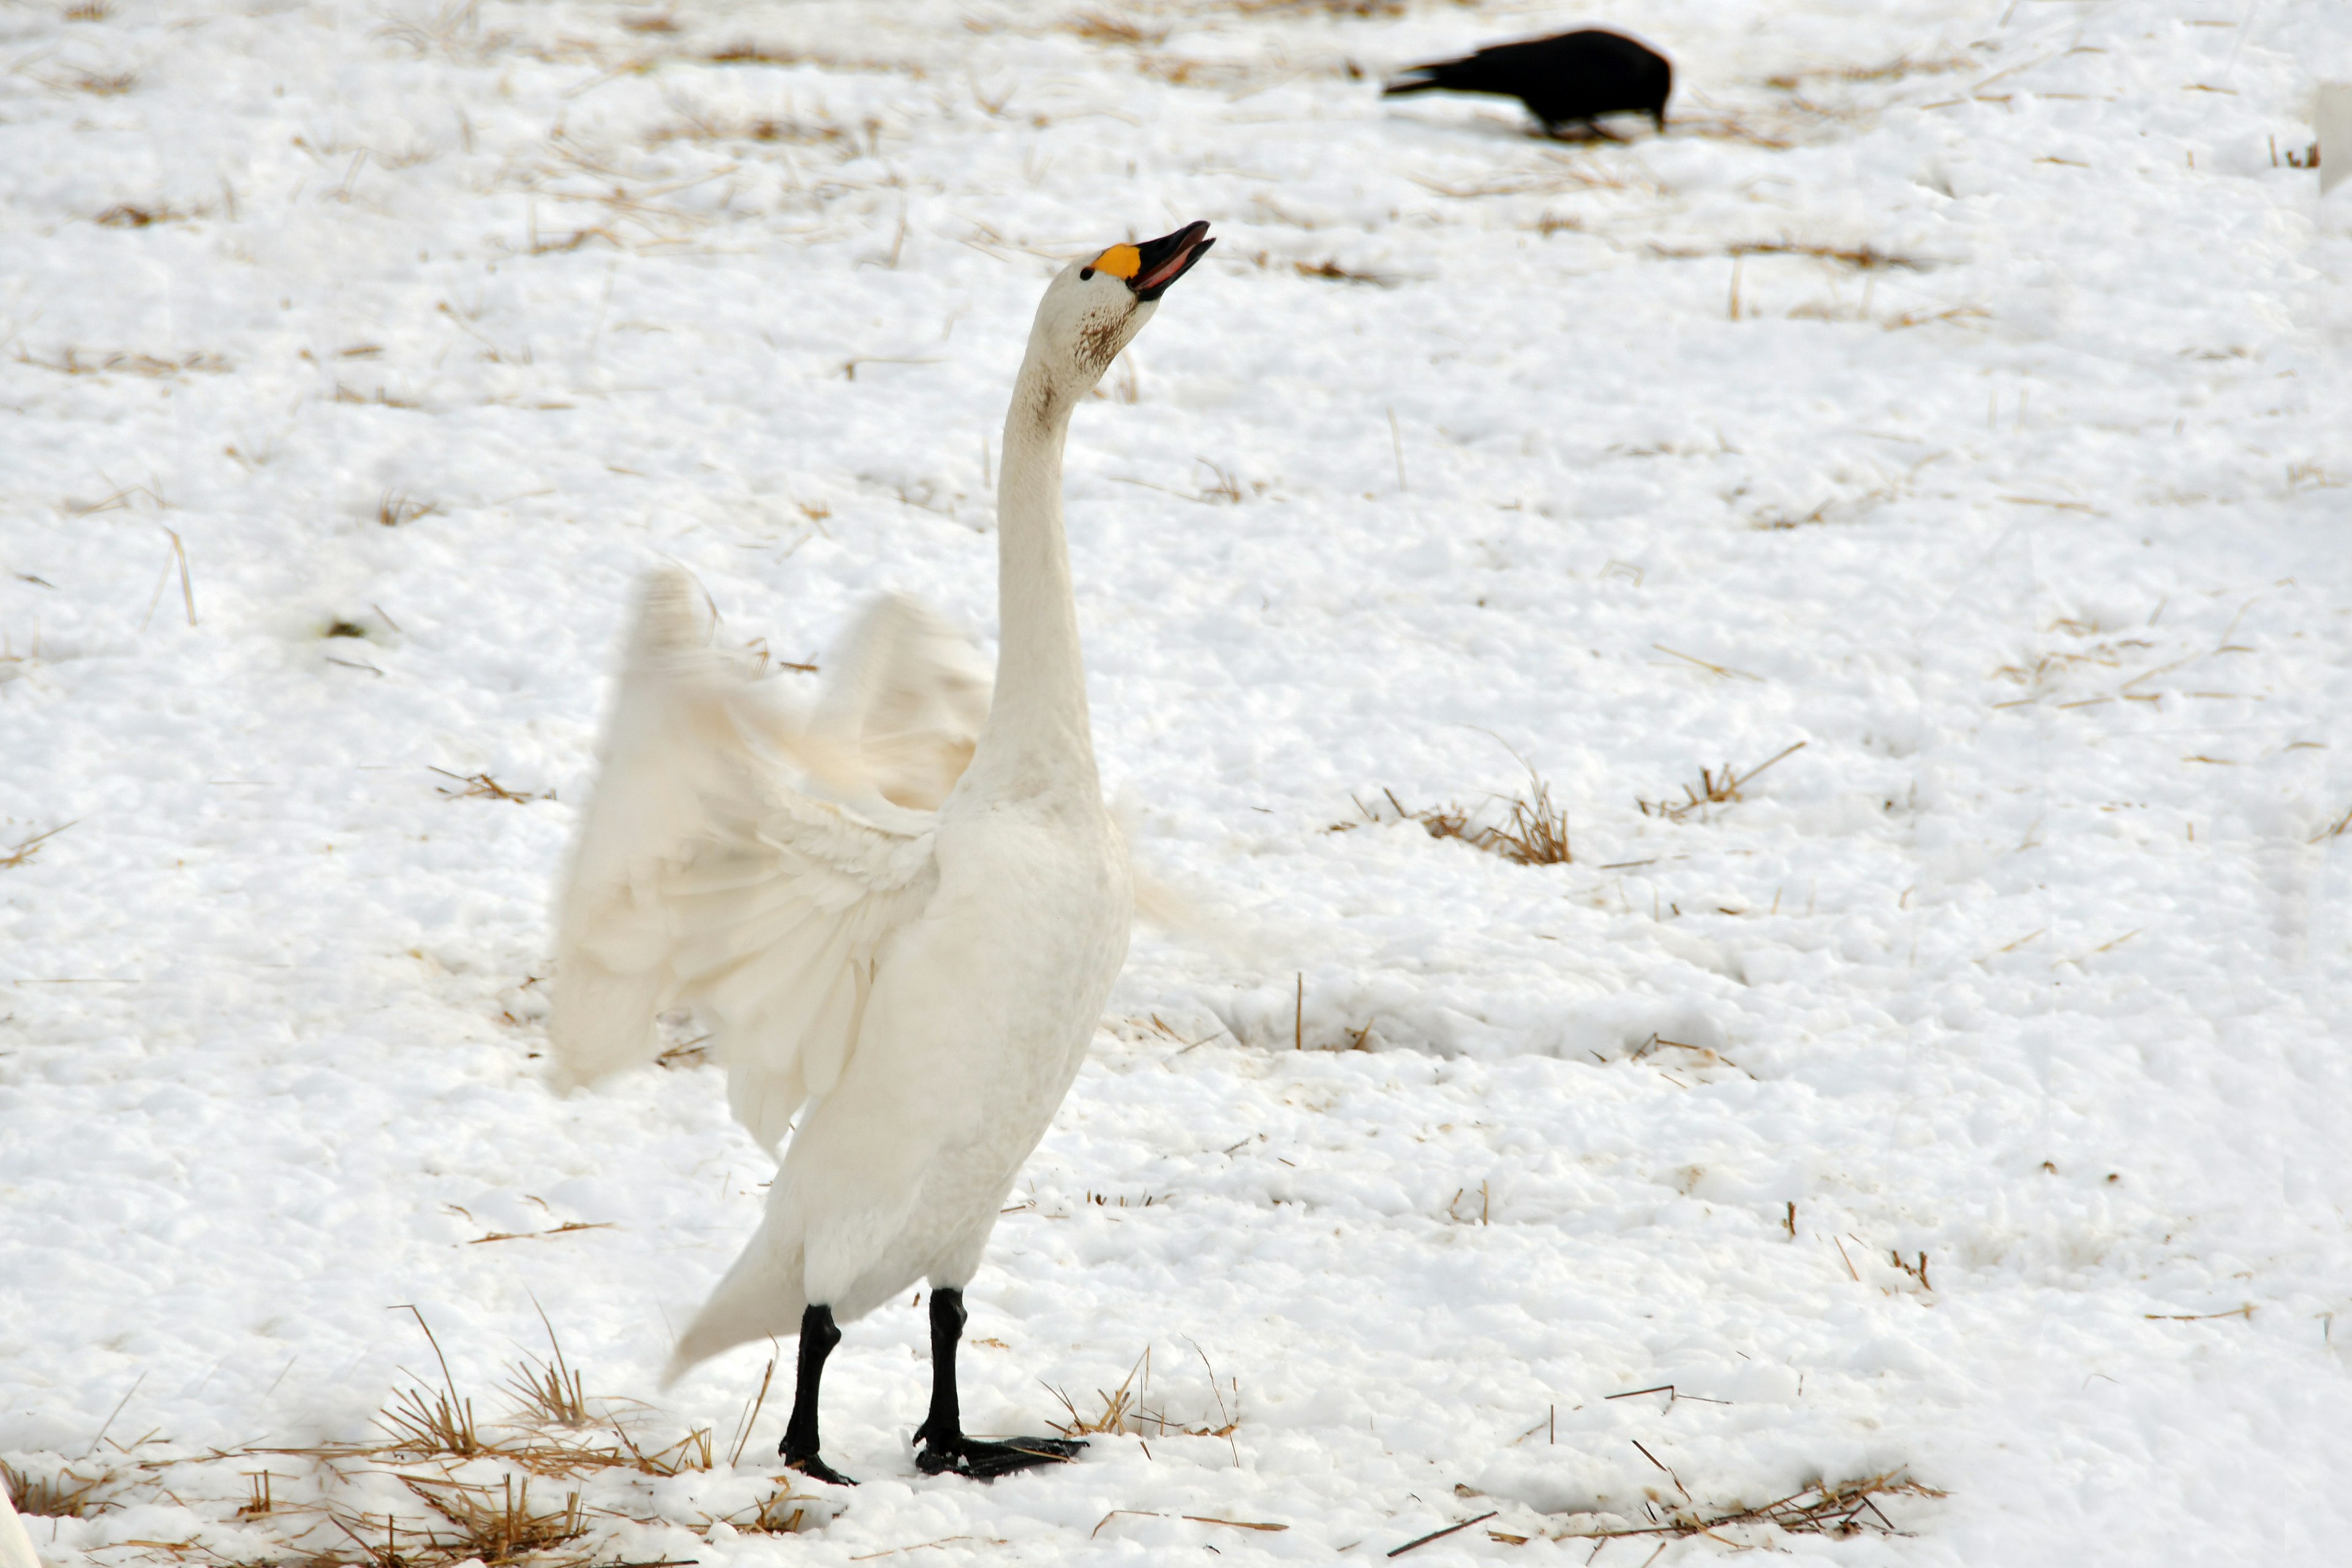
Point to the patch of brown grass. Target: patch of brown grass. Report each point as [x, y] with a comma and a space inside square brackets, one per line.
[1534, 831]
[793, 132]
[396, 507]
[1893, 70]
[1333, 272]
[482, 786]
[62, 1496]
[550, 1392]
[1103, 27]
[783, 1512]
[432, 1424]
[1835, 1508]
[103, 84]
[130, 215]
[494, 1524]
[1716, 787]
[22, 852]
[1862, 257]
[1120, 1406]
[71, 362]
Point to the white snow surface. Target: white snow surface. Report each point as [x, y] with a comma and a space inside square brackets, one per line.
[1465, 455]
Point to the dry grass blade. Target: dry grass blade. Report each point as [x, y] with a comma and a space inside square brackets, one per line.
[1104, 28]
[1333, 272]
[71, 362]
[1537, 832]
[396, 507]
[103, 84]
[432, 1424]
[691, 1452]
[1862, 258]
[1716, 788]
[1534, 834]
[62, 1496]
[496, 1525]
[1892, 70]
[743, 1433]
[2333, 830]
[550, 1393]
[1825, 1508]
[1121, 1407]
[24, 849]
[783, 1512]
[482, 786]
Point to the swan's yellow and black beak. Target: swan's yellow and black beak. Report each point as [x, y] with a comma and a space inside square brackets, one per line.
[1150, 266]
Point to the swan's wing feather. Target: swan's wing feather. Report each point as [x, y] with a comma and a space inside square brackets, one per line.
[709, 872]
[907, 697]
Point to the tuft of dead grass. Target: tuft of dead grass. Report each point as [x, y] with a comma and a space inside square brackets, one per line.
[395, 508]
[549, 1392]
[103, 84]
[1104, 27]
[1361, 9]
[1331, 272]
[1834, 1509]
[71, 362]
[454, 32]
[482, 786]
[1120, 1406]
[1861, 257]
[693, 127]
[783, 1512]
[1124, 1410]
[1716, 787]
[433, 1424]
[62, 1496]
[1533, 831]
[1893, 70]
[22, 852]
[131, 215]
[494, 1524]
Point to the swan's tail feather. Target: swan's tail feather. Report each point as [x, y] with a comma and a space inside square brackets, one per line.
[15, 1546]
[762, 1297]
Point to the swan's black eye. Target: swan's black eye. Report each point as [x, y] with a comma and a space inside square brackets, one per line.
[1084, 273]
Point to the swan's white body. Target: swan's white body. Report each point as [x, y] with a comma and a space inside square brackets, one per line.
[929, 979]
[15, 1546]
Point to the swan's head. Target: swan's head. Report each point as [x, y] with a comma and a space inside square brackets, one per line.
[1094, 307]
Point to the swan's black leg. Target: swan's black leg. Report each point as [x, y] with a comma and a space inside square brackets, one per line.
[943, 1427]
[819, 1334]
[940, 1446]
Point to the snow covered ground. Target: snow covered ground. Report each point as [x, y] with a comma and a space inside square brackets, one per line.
[1958, 389]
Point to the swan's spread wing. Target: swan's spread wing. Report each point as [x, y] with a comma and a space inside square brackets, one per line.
[709, 872]
[908, 694]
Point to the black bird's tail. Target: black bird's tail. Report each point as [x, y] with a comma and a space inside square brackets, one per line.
[1421, 78]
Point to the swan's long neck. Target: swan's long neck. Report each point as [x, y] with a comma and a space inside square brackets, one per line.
[1037, 737]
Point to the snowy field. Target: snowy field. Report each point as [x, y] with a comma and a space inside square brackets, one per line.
[1960, 390]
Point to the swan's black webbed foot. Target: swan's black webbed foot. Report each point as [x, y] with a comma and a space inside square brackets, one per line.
[814, 1467]
[940, 1446]
[980, 1461]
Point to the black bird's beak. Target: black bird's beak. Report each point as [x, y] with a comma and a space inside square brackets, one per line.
[1169, 258]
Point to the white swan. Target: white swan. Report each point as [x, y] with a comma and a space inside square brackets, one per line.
[15, 1546]
[928, 979]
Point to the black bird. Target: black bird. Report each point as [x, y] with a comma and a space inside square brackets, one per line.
[1568, 80]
